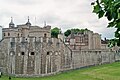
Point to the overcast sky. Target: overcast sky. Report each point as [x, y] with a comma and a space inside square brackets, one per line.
[64, 14]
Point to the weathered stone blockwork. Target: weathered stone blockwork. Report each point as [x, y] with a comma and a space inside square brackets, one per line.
[35, 56]
[46, 56]
[85, 58]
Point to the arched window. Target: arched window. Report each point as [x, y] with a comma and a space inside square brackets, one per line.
[8, 34]
[45, 35]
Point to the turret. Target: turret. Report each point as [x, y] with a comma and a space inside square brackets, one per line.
[11, 24]
[28, 22]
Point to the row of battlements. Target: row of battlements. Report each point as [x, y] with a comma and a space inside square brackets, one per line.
[34, 39]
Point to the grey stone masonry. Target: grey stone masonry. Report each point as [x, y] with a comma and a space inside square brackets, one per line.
[35, 56]
[30, 57]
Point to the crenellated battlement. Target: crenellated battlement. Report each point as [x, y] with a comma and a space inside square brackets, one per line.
[34, 39]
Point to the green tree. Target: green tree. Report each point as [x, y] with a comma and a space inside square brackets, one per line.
[54, 32]
[112, 42]
[75, 31]
[111, 10]
[67, 33]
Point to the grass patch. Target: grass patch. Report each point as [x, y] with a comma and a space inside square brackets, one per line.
[103, 72]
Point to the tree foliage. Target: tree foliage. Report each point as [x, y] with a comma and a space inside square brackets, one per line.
[111, 10]
[112, 42]
[75, 31]
[54, 32]
[67, 33]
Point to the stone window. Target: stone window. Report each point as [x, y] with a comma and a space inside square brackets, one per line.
[4, 34]
[22, 53]
[18, 34]
[32, 53]
[45, 35]
[8, 34]
[12, 44]
[48, 53]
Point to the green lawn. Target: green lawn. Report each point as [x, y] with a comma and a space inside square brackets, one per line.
[103, 72]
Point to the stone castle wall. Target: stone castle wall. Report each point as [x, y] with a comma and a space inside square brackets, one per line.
[92, 57]
[34, 56]
[46, 56]
[4, 55]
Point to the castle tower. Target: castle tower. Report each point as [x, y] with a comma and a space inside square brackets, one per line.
[11, 24]
[28, 22]
[0, 32]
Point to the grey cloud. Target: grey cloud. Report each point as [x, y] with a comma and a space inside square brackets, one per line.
[51, 19]
[65, 24]
[6, 13]
[5, 17]
[24, 2]
[61, 13]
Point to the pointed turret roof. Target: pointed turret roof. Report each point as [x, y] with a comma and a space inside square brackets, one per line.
[28, 22]
[11, 24]
[11, 21]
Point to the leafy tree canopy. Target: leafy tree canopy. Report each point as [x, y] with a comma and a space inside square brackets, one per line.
[54, 32]
[112, 42]
[111, 10]
[75, 31]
